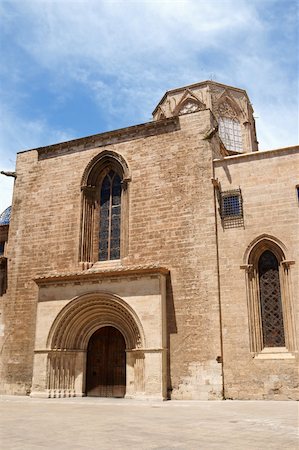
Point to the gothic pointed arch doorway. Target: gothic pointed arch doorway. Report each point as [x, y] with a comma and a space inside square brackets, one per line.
[106, 363]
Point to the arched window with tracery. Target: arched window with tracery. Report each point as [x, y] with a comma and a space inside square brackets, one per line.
[104, 222]
[229, 122]
[269, 298]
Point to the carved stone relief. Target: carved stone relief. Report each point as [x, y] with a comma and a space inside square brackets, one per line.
[189, 107]
[225, 110]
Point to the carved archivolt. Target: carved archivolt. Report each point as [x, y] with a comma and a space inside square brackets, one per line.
[71, 331]
[76, 323]
[99, 162]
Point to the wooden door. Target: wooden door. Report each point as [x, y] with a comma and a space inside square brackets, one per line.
[106, 364]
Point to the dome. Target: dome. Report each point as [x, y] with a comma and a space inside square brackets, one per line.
[5, 216]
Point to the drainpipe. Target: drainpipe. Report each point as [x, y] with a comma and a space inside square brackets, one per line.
[219, 358]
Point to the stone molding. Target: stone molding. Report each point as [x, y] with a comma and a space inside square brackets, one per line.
[147, 129]
[91, 274]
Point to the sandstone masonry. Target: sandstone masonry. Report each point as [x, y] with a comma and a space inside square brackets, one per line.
[201, 209]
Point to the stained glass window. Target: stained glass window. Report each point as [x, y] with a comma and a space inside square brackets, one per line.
[270, 298]
[110, 213]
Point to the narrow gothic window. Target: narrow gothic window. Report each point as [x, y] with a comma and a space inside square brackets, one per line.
[269, 296]
[110, 214]
[230, 133]
[105, 206]
[270, 301]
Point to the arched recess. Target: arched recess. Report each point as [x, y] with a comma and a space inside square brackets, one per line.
[98, 168]
[80, 318]
[70, 333]
[280, 284]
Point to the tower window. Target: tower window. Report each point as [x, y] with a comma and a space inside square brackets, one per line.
[230, 133]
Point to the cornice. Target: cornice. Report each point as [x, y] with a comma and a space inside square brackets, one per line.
[93, 274]
[109, 137]
[258, 154]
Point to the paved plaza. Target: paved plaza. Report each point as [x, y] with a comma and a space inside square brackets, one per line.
[96, 423]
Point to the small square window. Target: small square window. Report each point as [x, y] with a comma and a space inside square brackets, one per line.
[231, 204]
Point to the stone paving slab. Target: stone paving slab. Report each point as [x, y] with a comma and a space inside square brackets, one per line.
[95, 423]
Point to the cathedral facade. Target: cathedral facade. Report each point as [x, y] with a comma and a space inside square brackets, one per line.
[158, 261]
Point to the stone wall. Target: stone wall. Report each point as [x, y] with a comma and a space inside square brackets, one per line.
[267, 181]
[171, 223]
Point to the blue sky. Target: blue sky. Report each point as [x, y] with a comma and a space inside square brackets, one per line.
[72, 68]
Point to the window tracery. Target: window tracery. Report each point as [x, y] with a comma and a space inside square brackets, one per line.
[268, 279]
[229, 126]
[225, 110]
[110, 217]
[230, 133]
[104, 209]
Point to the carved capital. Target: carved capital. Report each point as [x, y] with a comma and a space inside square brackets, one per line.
[89, 193]
[287, 263]
[88, 189]
[125, 182]
[249, 269]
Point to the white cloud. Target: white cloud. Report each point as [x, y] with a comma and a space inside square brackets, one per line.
[127, 53]
[17, 134]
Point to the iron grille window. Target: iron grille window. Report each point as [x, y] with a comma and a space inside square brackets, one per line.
[270, 300]
[231, 204]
